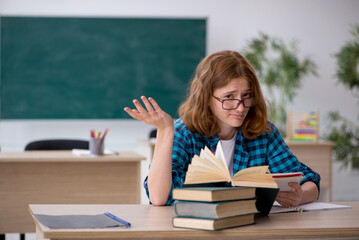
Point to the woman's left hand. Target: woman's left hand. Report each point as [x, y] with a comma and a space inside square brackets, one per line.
[292, 198]
[152, 113]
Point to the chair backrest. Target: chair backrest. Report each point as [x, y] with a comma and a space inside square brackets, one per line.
[57, 144]
[153, 133]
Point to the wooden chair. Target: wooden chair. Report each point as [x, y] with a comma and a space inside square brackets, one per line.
[57, 144]
[153, 133]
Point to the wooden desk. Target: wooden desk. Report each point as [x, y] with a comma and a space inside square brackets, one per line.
[59, 177]
[152, 222]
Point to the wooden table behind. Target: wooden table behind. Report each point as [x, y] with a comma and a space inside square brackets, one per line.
[317, 156]
[150, 222]
[59, 177]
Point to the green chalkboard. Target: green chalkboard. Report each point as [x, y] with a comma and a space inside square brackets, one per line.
[91, 68]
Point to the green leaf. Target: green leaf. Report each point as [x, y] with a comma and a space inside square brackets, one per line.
[280, 69]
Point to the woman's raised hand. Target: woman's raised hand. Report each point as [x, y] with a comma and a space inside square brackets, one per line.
[152, 115]
[160, 174]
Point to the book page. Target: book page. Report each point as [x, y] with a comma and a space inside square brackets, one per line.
[206, 158]
[201, 177]
[200, 163]
[254, 177]
[220, 155]
[200, 171]
[207, 155]
[195, 169]
[260, 170]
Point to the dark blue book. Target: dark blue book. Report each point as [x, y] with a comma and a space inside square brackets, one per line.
[215, 210]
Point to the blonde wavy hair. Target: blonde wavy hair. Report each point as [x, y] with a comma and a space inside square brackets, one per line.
[215, 71]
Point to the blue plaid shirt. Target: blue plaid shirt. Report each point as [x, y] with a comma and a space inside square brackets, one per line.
[266, 149]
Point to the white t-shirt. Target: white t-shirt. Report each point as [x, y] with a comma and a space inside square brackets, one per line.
[228, 151]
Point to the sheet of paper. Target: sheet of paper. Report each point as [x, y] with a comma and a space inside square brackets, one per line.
[314, 206]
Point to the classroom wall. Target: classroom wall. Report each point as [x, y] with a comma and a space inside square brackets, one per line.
[321, 27]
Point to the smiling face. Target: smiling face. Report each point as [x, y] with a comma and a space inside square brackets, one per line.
[229, 120]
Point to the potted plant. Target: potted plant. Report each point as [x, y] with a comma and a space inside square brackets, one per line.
[342, 131]
[280, 70]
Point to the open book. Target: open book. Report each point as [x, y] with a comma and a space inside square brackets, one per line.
[210, 168]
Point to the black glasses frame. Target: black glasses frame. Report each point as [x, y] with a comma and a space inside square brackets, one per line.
[239, 101]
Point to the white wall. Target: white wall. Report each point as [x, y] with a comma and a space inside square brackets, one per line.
[320, 26]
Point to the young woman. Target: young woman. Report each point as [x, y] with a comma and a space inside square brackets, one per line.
[224, 103]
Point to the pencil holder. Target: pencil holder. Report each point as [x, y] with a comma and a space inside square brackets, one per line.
[96, 146]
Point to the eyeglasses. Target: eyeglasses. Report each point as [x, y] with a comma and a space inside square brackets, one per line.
[231, 104]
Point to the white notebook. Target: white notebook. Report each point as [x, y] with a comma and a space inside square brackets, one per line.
[282, 179]
[314, 206]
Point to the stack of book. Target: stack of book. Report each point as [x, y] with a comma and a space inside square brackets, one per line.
[214, 208]
[212, 199]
